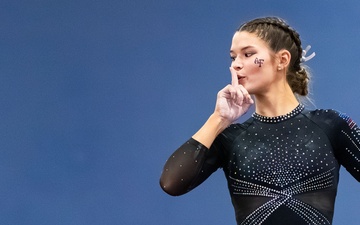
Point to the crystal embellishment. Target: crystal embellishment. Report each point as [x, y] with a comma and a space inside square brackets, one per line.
[281, 118]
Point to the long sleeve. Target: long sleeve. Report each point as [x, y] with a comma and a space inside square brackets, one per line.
[187, 167]
[348, 146]
[344, 136]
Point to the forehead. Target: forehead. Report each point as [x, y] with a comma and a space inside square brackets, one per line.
[244, 39]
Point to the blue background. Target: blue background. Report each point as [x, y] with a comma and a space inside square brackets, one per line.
[95, 95]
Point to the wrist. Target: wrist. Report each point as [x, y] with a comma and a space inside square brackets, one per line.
[219, 122]
[210, 130]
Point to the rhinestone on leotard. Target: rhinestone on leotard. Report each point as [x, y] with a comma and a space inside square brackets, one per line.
[278, 119]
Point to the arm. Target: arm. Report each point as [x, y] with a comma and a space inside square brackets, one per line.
[348, 145]
[186, 168]
[194, 161]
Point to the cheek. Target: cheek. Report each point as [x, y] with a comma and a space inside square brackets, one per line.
[259, 61]
[257, 65]
[262, 64]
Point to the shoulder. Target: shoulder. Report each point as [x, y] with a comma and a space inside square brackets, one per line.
[328, 117]
[237, 128]
[321, 113]
[234, 130]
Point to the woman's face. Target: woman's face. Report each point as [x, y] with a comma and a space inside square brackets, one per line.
[253, 61]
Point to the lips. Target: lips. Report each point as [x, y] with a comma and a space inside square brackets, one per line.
[240, 78]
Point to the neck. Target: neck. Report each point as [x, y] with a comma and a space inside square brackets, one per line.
[276, 103]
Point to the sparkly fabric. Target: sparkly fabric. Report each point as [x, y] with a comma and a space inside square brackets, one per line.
[277, 119]
[282, 170]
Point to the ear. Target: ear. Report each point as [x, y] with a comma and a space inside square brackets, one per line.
[284, 58]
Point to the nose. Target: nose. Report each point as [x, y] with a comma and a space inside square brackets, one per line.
[237, 64]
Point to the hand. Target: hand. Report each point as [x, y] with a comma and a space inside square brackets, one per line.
[233, 101]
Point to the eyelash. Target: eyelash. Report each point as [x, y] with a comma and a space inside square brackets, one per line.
[246, 55]
[249, 54]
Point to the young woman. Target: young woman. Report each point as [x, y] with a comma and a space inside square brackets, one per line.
[282, 164]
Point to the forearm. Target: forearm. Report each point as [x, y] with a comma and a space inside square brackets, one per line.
[185, 168]
[210, 130]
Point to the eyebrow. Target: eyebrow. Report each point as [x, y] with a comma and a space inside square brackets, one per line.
[244, 48]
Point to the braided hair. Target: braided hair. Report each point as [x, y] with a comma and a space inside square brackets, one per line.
[279, 35]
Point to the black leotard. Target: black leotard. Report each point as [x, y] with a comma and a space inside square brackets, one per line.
[280, 170]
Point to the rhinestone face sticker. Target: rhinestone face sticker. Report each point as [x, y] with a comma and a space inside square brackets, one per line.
[259, 61]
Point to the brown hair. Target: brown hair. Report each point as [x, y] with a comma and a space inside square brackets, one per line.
[279, 35]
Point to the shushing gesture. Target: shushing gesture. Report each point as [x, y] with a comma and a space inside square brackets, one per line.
[233, 101]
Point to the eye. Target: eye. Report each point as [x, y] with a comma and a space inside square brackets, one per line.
[232, 58]
[249, 54]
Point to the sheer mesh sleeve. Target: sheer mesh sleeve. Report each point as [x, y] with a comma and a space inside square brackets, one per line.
[187, 167]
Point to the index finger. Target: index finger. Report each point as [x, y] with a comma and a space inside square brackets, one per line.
[234, 77]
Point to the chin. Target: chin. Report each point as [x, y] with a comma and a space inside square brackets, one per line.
[247, 88]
